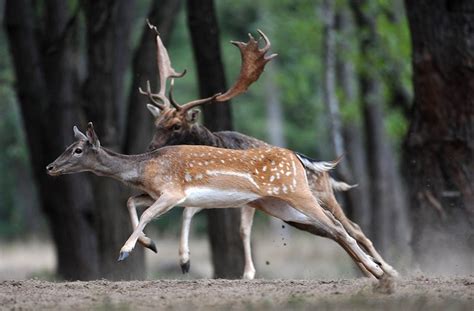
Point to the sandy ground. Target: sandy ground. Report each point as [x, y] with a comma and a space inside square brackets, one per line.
[355, 294]
[282, 255]
[294, 272]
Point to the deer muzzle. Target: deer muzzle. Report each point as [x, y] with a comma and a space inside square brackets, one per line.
[52, 170]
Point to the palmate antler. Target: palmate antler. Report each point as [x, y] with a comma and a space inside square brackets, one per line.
[253, 64]
[165, 72]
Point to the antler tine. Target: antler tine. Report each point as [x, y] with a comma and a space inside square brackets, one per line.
[170, 96]
[152, 27]
[268, 44]
[165, 70]
[253, 64]
[151, 95]
[198, 102]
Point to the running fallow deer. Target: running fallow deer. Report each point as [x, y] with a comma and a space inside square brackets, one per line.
[177, 125]
[270, 179]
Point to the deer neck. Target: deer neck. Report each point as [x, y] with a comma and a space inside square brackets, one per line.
[200, 135]
[125, 168]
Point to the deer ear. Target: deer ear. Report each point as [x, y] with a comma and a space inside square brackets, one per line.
[155, 111]
[92, 136]
[192, 115]
[78, 134]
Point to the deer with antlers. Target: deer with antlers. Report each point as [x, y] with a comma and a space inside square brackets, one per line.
[270, 179]
[177, 124]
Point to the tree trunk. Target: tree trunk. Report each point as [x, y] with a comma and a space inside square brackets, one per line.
[439, 147]
[330, 57]
[358, 198]
[108, 28]
[139, 120]
[223, 224]
[400, 96]
[47, 96]
[329, 89]
[274, 110]
[386, 200]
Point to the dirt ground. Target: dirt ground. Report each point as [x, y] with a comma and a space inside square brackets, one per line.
[294, 272]
[420, 293]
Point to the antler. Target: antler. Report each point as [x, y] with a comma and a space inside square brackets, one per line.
[165, 72]
[253, 64]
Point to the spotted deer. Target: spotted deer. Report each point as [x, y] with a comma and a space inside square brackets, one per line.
[177, 125]
[270, 179]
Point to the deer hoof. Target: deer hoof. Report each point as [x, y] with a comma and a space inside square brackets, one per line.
[185, 266]
[123, 256]
[152, 247]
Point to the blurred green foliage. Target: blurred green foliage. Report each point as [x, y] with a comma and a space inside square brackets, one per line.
[296, 32]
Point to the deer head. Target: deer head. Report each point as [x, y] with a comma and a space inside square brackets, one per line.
[80, 156]
[173, 122]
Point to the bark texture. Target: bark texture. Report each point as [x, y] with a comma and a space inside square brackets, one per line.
[223, 225]
[47, 91]
[104, 95]
[439, 148]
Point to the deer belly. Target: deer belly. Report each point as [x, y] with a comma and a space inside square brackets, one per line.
[280, 209]
[217, 198]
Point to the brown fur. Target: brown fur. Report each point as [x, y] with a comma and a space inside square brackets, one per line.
[271, 179]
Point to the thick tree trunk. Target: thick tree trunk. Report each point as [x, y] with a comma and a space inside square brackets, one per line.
[47, 95]
[139, 120]
[439, 148]
[103, 94]
[223, 224]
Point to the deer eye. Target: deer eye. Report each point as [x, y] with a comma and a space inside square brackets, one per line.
[78, 151]
[176, 127]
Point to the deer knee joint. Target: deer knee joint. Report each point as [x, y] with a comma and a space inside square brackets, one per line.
[131, 203]
[243, 232]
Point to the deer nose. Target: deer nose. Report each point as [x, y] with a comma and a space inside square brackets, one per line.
[49, 167]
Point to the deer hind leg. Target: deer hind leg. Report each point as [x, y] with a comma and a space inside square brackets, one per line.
[315, 230]
[328, 226]
[184, 260]
[356, 232]
[165, 202]
[132, 204]
[367, 244]
[246, 220]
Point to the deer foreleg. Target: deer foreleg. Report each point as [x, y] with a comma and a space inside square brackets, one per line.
[132, 204]
[246, 220]
[184, 260]
[166, 202]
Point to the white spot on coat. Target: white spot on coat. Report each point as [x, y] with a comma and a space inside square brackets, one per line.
[188, 177]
